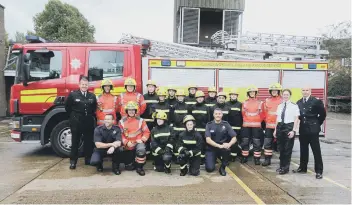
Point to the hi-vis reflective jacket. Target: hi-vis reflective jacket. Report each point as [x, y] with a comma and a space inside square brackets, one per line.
[150, 99]
[210, 102]
[190, 99]
[201, 114]
[179, 111]
[270, 107]
[235, 118]
[162, 137]
[107, 104]
[253, 112]
[191, 141]
[133, 129]
[131, 96]
[162, 107]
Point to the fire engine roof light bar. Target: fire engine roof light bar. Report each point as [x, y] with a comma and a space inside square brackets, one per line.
[36, 39]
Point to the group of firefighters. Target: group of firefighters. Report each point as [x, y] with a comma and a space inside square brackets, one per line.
[158, 120]
[172, 125]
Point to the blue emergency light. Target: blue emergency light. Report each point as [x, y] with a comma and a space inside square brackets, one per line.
[312, 66]
[35, 39]
[165, 62]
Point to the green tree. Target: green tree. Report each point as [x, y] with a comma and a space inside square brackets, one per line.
[63, 22]
[337, 40]
[20, 37]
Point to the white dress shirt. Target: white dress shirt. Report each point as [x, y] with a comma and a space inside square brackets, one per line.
[292, 111]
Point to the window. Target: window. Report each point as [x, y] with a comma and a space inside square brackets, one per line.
[45, 64]
[105, 64]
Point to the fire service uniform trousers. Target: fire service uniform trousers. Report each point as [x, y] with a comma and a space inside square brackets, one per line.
[194, 164]
[268, 142]
[214, 153]
[286, 144]
[251, 134]
[131, 158]
[235, 149]
[81, 124]
[99, 154]
[163, 161]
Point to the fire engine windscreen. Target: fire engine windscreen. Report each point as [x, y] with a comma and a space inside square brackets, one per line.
[43, 64]
[105, 64]
[210, 23]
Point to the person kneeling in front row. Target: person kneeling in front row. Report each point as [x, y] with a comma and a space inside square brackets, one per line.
[107, 140]
[189, 146]
[220, 137]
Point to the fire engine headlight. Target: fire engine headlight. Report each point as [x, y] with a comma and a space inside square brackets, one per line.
[15, 124]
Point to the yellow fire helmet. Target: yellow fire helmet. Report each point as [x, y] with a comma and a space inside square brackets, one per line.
[180, 92]
[151, 82]
[171, 88]
[192, 86]
[221, 94]
[233, 91]
[252, 88]
[188, 118]
[162, 92]
[275, 86]
[106, 82]
[199, 93]
[161, 115]
[130, 81]
[212, 89]
[131, 105]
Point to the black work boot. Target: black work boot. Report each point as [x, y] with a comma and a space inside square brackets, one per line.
[267, 162]
[87, 161]
[140, 169]
[167, 170]
[257, 161]
[116, 168]
[73, 164]
[184, 171]
[244, 160]
[100, 168]
[233, 158]
[130, 167]
[222, 170]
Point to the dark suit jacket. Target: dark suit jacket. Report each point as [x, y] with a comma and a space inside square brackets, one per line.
[312, 115]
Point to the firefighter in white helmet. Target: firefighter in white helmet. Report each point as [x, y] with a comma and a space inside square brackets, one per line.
[270, 107]
[253, 115]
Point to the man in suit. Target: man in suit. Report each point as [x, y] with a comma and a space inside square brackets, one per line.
[312, 116]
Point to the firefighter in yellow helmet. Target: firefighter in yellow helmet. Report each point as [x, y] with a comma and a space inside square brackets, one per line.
[107, 102]
[131, 95]
[235, 119]
[150, 98]
[253, 115]
[135, 134]
[191, 99]
[171, 98]
[221, 103]
[201, 113]
[211, 99]
[188, 146]
[270, 107]
[162, 105]
[162, 143]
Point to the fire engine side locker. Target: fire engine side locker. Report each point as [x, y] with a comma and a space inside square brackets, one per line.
[239, 74]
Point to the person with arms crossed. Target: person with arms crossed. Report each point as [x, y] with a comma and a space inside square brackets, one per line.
[107, 139]
[285, 131]
[312, 116]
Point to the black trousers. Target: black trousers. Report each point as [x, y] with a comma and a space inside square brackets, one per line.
[163, 161]
[311, 139]
[286, 144]
[268, 142]
[212, 154]
[81, 126]
[194, 163]
[99, 154]
[235, 150]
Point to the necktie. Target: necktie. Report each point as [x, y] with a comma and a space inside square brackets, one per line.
[84, 94]
[304, 100]
[283, 114]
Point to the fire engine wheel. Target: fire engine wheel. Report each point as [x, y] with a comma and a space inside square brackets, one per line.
[60, 139]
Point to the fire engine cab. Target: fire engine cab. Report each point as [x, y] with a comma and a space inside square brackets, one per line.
[47, 72]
